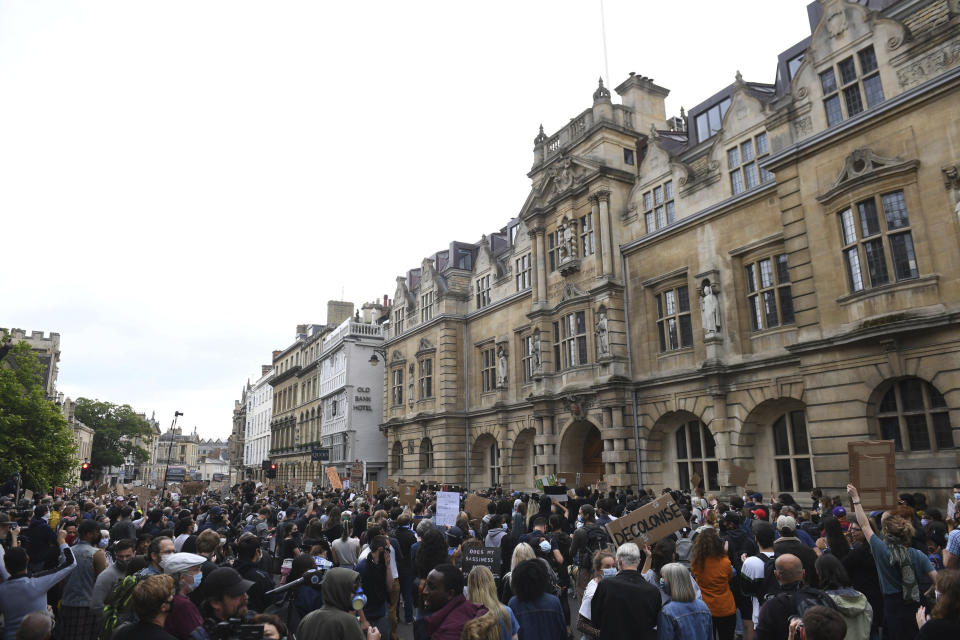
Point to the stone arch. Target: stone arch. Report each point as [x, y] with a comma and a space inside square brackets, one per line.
[581, 448]
[777, 447]
[522, 461]
[427, 461]
[485, 461]
[897, 401]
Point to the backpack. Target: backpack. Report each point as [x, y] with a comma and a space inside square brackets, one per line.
[761, 588]
[117, 608]
[808, 597]
[597, 540]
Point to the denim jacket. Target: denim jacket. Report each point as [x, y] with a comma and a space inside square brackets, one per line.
[685, 621]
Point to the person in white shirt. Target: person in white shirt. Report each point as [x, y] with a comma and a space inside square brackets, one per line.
[754, 567]
[604, 565]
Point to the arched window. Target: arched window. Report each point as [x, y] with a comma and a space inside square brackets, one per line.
[915, 416]
[426, 454]
[397, 457]
[791, 452]
[493, 456]
[696, 452]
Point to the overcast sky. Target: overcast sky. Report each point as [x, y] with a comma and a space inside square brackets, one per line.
[182, 183]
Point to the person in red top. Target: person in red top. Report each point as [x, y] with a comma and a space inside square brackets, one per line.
[712, 570]
[443, 596]
[184, 616]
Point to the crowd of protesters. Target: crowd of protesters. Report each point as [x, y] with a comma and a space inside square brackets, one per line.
[273, 562]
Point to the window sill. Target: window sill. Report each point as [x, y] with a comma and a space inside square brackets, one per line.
[763, 333]
[866, 294]
[675, 352]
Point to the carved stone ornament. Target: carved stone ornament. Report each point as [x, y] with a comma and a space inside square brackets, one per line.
[563, 175]
[710, 315]
[569, 292]
[577, 405]
[685, 171]
[425, 345]
[951, 180]
[397, 356]
[836, 24]
[603, 336]
[863, 165]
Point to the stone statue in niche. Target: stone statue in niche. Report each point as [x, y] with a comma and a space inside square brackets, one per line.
[501, 367]
[537, 358]
[709, 310]
[603, 338]
[951, 178]
[410, 386]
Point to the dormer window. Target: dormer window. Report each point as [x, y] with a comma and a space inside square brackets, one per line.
[709, 122]
[464, 259]
[844, 80]
[483, 291]
[426, 306]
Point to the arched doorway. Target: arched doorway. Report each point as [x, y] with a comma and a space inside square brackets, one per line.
[522, 474]
[581, 449]
[485, 470]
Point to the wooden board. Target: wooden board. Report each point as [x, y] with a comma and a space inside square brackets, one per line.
[356, 471]
[649, 523]
[873, 471]
[408, 495]
[738, 475]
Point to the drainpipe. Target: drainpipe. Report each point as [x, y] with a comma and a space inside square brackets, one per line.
[633, 391]
[466, 397]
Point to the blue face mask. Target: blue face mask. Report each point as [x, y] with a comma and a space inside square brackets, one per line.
[609, 572]
[197, 579]
[359, 600]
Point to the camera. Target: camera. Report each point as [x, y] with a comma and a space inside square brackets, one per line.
[234, 629]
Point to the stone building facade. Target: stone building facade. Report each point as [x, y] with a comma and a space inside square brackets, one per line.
[256, 443]
[47, 349]
[758, 281]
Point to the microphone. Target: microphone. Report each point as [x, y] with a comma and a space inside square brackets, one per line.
[313, 577]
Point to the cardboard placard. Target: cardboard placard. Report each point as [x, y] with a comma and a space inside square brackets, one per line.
[649, 523]
[488, 557]
[408, 495]
[738, 475]
[873, 471]
[192, 488]
[356, 471]
[27, 494]
[334, 478]
[372, 487]
[476, 505]
[695, 480]
[448, 508]
[558, 493]
[573, 479]
[103, 490]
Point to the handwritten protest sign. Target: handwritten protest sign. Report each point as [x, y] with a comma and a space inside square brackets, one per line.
[408, 494]
[334, 478]
[488, 557]
[649, 523]
[192, 488]
[448, 508]
[372, 487]
[873, 471]
[356, 471]
[738, 475]
[476, 505]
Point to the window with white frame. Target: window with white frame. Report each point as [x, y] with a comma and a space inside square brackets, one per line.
[914, 414]
[768, 292]
[425, 381]
[426, 306]
[586, 235]
[526, 358]
[857, 80]
[673, 319]
[659, 208]
[570, 341]
[398, 320]
[523, 272]
[488, 369]
[743, 161]
[697, 454]
[877, 242]
[553, 250]
[397, 388]
[483, 291]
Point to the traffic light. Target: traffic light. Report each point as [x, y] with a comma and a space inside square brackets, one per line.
[86, 473]
[272, 471]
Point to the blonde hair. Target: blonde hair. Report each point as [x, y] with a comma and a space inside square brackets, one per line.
[151, 594]
[481, 589]
[677, 578]
[521, 552]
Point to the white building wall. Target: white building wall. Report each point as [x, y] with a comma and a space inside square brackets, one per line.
[259, 414]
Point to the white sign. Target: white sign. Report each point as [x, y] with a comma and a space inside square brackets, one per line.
[346, 484]
[308, 487]
[448, 508]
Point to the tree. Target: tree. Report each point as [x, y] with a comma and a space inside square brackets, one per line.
[114, 428]
[35, 439]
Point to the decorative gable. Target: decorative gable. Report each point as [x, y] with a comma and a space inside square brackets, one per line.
[864, 166]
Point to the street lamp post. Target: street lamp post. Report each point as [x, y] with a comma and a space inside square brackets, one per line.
[176, 414]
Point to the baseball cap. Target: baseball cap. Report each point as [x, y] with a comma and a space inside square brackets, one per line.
[225, 581]
[839, 512]
[455, 533]
[4, 517]
[786, 522]
[177, 562]
[760, 514]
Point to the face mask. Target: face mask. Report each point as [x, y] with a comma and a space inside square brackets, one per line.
[545, 546]
[956, 496]
[924, 521]
[579, 518]
[504, 527]
[121, 564]
[103, 543]
[196, 581]
[223, 541]
[609, 572]
[71, 538]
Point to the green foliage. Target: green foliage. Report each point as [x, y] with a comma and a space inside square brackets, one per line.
[110, 423]
[34, 437]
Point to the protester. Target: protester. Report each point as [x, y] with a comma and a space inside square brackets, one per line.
[795, 597]
[273, 626]
[944, 620]
[376, 579]
[21, 595]
[853, 605]
[482, 590]
[684, 616]
[604, 566]
[712, 570]
[899, 567]
[818, 623]
[77, 621]
[538, 612]
[184, 617]
[123, 552]
[448, 609]
[336, 619]
[626, 605]
[225, 593]
[37, 626]
[152, 601]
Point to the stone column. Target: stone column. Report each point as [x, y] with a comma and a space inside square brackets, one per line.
[606, 237]
[541, 266]
[535, 252]
[598, 237]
